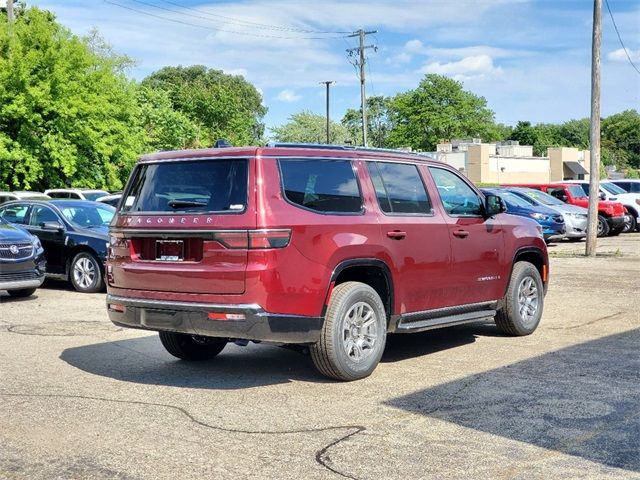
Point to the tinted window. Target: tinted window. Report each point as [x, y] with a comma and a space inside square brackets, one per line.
[40, 215]
[458, 198]
[399, 188]
[578, 191]
[188, 186]
[88, 215]
[58, 194]
[94, 195]
[585, 188]
[321, 185]
[14, 213]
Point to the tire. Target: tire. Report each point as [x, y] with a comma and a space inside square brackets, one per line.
[85, 273]
[603, 226]
[347, 350]
[631, 225]
[525, 288]
[191, 347]
[614, 232]
[24, 292]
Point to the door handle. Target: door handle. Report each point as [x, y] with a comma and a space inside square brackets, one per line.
[396, 234]
[461, 233]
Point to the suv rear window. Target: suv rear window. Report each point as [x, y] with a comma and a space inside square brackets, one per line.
[321, 185]
[188, 186]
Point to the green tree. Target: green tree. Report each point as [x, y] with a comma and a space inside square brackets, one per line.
[621, 136]
[223, 106]
[307, 127]
[438, 109]
[378, 123]
[540, 136]
[68, 116]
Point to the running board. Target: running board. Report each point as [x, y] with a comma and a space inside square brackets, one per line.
[405, 326]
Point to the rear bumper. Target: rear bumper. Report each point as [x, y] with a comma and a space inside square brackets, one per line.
[192, 318]
[616, 221]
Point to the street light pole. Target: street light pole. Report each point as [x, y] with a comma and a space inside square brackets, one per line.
[328, 83]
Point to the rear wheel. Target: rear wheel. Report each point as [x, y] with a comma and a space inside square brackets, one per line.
[603, 226]
[354, 334]
[86, 273]
[522, 305]
[631, 225]
[191, 347]
[24, 292]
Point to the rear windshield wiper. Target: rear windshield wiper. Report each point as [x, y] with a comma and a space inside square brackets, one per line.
[186, 203]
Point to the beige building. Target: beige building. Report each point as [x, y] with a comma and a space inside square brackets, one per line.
[513, 163]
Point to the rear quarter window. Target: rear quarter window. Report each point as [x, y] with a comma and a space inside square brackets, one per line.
[326, 186]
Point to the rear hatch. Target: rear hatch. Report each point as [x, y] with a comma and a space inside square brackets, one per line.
[183, 227]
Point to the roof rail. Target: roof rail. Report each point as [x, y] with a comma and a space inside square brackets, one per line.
[325, 146]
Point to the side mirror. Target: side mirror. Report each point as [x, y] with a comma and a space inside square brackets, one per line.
[493, 205]
[564, 198]
[53, 226]
[602, 196]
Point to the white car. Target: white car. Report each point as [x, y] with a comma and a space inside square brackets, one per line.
[76, 193]
[612, 192]
[22, 195]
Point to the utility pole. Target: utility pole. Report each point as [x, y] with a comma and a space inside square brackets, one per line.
[328, 83]
[594, 133]
[10, 15]
[361, 34]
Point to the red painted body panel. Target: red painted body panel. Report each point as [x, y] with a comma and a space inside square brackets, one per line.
[430, 267]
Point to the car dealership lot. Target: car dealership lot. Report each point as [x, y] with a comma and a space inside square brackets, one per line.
[82, 398]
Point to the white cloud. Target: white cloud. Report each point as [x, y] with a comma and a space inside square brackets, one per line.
[236, 71]
[468, 67]
[288, 96]
[414, 46]
[620, 56]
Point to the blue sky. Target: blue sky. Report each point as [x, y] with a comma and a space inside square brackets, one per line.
[529, 59]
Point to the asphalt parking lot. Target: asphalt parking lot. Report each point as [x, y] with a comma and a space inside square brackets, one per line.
[81, 398]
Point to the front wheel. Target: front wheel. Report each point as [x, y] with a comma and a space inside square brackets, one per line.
[603, 226]
[191, 347]
[86, 273]
[522, 305]
[354, 334]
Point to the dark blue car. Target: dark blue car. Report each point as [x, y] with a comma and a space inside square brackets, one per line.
[552, 222]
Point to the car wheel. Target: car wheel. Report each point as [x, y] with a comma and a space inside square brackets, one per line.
[603, 226]
[522, 305]
[86, 273]
[631, 225]
[24, 292]
[354, 333]
[191, 347]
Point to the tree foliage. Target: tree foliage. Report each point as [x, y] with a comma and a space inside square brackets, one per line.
[378, 122]
[307, 127]
[439, 108]
[221, 105]
[621, 137]
[67, 115]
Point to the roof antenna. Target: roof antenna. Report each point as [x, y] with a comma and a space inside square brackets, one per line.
[222, 143]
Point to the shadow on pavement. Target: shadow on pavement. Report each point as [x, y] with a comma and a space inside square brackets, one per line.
[582, 400]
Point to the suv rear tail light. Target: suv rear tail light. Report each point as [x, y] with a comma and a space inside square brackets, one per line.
[254, 239]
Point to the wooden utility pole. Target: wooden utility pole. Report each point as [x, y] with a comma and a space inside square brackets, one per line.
[328, 83]
[594, 133]
[361, 34]
[10, 15]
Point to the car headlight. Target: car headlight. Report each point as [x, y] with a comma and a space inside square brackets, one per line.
[538, 216]
[36, 243]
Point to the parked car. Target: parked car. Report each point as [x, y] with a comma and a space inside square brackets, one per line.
[112, 199]
[76, 193]
[552, 222]
[613, 193]
[629, 185]
[611, 215]
[575, 218]
[325, 247]
[22, 262]
[22, 195]
[74, 234]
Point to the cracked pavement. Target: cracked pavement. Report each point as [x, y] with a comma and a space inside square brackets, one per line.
[82, 398]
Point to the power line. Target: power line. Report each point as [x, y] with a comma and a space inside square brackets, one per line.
[240, 22]
[626, 52]
[250, 34]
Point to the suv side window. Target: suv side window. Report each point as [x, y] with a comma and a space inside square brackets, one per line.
[458, 198]
[327, 186]
[399, 188]
[14, 213]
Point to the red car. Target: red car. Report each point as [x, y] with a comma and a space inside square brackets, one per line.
[328, 247]
[611, 215]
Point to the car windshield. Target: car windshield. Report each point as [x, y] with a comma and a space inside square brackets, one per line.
[511, 199]
[95, 195]
[612, 188]
[88, 216]
[577, 191]
[542, 197]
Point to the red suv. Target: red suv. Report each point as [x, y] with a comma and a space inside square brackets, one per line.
[328, 247]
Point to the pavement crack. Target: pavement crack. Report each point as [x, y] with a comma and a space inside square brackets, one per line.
[585, 324]
[321, 457]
